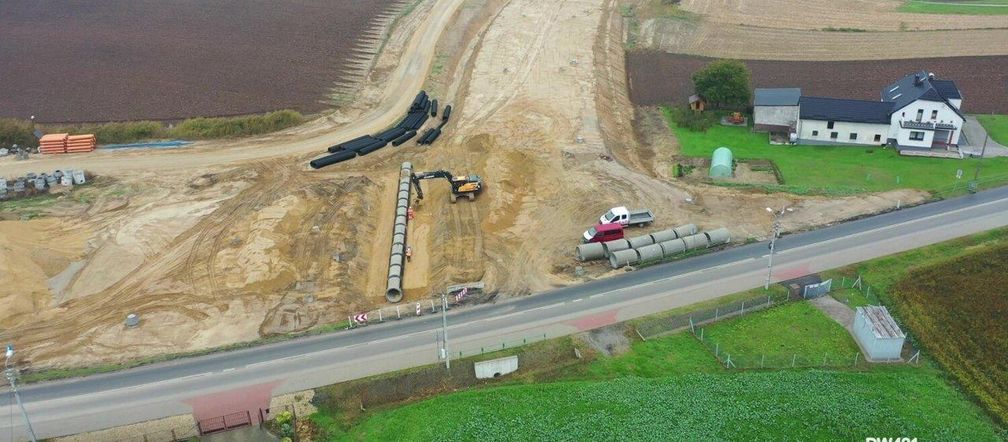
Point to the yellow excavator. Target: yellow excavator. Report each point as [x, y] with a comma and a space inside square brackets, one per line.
[463, 185]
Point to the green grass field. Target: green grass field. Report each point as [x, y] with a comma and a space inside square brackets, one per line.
[840, 170]
[966, 7]
[996, 126]
[795, 329]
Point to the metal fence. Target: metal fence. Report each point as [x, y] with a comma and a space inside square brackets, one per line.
[664, 325]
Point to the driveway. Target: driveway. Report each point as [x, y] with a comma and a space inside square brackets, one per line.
[975, 135]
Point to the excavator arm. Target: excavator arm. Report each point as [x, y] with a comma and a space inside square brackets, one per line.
[426, 176]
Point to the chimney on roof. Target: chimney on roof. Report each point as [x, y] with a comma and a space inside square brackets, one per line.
[931, 75]
[918, 80]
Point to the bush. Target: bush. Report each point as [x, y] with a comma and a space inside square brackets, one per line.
[14, 131]
[694, 121]
[237, 126]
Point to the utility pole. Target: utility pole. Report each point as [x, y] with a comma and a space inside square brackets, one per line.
[444, 330]
[774, 233]
[11, 374]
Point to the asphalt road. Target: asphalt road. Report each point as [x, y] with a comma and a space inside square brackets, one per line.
[160, 390]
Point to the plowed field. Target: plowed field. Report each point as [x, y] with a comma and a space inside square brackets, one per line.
[143, 59]
[662, 78]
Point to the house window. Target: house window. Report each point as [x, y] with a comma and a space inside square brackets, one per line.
[829, 125]
[815, 133]
[920, 114]
[916, 135]
[878, 138]
[853, 136]
[834, 135]
[934, 115]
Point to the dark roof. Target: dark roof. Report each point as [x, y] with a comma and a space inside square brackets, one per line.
[920, 86]
[839, 109]
[783, 96]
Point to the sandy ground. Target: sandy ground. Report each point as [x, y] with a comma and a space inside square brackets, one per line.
[227, 242]
[816, 30]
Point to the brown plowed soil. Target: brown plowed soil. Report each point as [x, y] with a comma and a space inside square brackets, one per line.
[662, 78]
[141, 59]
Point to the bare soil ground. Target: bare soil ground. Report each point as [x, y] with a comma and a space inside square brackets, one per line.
[819, 30]
[129, 60]
[662, 78]
[217, 244]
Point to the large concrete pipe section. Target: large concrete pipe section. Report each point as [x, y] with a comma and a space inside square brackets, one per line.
[622, 258]
[717, 237]
[590, 251]
[393, 290]
[674, 247]
[614, 246]
[652, 252]
[640, 241]
[684, 231]
[693, 242]
[663, 235]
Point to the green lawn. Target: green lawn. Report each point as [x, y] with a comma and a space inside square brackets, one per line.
[673, 354]
[996, 126]
[836, 170]
[967, 7]
[782, 405]
[794, 330]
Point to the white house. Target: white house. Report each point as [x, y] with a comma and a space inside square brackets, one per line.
[917, 112]
[775, 109]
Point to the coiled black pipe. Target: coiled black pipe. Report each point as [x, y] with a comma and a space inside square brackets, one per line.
[337, 157]
[404, 138]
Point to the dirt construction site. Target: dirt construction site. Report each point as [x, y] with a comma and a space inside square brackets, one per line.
[230, 241]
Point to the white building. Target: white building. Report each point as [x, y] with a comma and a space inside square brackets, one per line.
[775, 109]
[917, 112]
[877, 333]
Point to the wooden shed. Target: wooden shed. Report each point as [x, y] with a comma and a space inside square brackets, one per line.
[697, 103]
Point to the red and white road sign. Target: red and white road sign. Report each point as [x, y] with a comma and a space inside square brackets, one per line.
[418, 309]
[361, 318]
[461, 294]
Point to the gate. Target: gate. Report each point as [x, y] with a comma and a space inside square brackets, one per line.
[226, 422]
[816, 290]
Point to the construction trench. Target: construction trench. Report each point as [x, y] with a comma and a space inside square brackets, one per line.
[393, 291]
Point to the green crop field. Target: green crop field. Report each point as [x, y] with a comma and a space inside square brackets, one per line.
[996, 126]
[967, 7]
[796, 329]
[791, 405]
[836, 170]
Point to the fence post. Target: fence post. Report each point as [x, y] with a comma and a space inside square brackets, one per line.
[769, 300]
[743, 309]
[793, 358]
[717, 349]
[843, 281]
[824, 359]
[762, 359]
[379, 316]
[691, 329]
[856, 355]
[350, 320]
[869, 292]
[432, 306]
[717, 310]
[701, 335]
[397, 315]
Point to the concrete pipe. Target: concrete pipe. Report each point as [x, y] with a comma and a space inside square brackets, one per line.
[404, 195]
[614, 246]
[407, 165]
[590, 251]
[673, 247]
[399, 239]
[652, 252]
[393, 292]
[400, 211]
[664, 235]
[400, 220]
[395, 259]
[694, 242]
[402, 203]
[399, 228]
[622, 258]
[684, 231]
[395, 271]
[398, 249]
[717, 237]
[640, 241]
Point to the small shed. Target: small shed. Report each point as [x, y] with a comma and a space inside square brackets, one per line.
[697, 103]
[878, 334]
[721, 163]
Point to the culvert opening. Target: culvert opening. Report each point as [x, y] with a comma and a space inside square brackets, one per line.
[393, 295]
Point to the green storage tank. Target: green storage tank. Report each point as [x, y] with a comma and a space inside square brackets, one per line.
[721, 163]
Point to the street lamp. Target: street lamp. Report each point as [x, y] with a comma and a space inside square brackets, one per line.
[774, 233]
[11, 375]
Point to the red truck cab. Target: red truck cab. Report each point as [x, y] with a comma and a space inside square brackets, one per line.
[603, 233]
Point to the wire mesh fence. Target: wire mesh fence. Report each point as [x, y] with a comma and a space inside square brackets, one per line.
[663, 325]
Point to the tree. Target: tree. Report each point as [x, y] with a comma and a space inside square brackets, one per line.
[723, 83]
